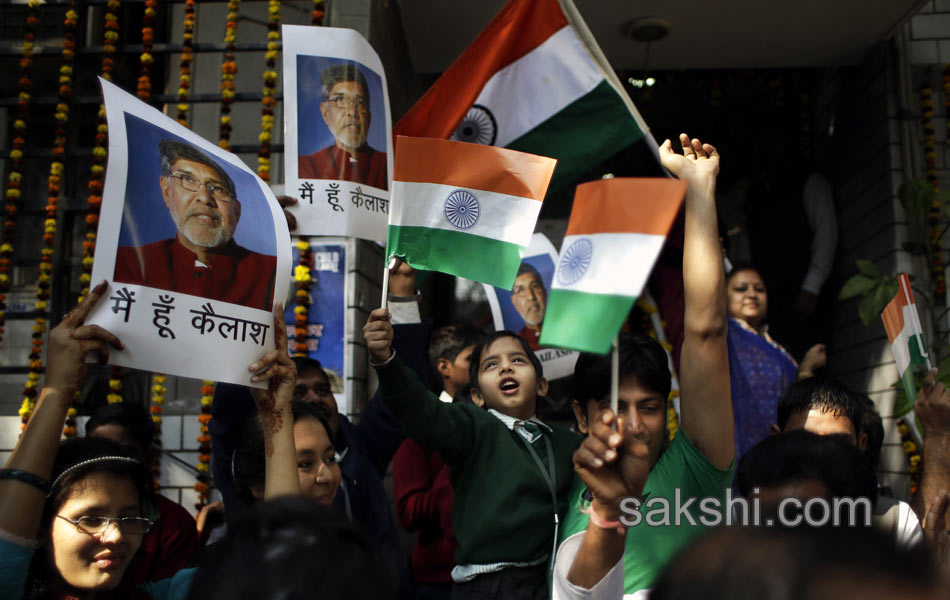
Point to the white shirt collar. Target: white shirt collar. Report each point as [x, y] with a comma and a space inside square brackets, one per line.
[511, 422]
[445, 397]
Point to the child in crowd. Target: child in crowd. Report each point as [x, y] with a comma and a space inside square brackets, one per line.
[421, 486]
[509, 470]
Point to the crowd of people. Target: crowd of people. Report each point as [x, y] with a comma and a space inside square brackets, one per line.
[768, 489]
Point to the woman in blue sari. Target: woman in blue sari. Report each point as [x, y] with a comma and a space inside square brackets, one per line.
[759, 367]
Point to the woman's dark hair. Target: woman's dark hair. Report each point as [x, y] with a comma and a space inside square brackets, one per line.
[491, 339]
[43, 579]
[248, 461]
[132, 417]
[293, 548]
[742, 266]
[640, 356]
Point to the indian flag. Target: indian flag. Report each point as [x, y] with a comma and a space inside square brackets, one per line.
[616, 232]
[465, 209]
[906, 335]
[534, 80]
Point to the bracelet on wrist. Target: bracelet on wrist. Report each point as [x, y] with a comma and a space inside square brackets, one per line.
[600, 522]
[379, 365]
[27, 478]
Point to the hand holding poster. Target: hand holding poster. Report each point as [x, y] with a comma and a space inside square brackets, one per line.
[338, 144]
[522, 309]
[194, 245]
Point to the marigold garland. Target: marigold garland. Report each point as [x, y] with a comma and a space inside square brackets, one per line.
[228, 71]
[146, 59]
[303, 279]
[946, 99]
[203, 486]
[915, 462]
[54, 180]
[187, 57]
[158, 401]
[268, 100]
[318, 12]
[15, 178]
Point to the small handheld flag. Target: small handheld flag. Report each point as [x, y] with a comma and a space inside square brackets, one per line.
[465, 209]
[905, 335]
[616, 231]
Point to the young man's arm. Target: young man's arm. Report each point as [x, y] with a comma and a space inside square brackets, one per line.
[706, 401]
[933, 409]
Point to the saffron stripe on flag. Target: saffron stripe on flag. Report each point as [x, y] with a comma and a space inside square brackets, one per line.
[497, 216]
[491, 261]
[646, 205]
[586, 322]
[425, 160]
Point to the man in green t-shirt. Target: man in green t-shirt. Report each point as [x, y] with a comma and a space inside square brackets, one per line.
[652, 519]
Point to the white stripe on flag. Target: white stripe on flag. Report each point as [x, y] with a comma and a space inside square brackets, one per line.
[901, 350]
[500, 216]
[553, 75]
[607, 263]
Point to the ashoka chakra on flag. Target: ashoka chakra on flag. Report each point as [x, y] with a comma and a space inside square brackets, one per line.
[574, 262]
[461, 209]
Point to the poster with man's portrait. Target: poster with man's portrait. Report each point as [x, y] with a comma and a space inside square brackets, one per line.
[521, 309]
[194, 245]
[338, 141]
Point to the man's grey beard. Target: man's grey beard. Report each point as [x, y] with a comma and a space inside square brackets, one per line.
[219, 237]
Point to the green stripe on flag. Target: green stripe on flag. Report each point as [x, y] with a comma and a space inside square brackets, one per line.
[581, 321]
[587, 131]
[461, 254]
[907, 377]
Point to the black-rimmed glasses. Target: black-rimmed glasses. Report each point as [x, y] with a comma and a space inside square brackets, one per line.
[193, 184]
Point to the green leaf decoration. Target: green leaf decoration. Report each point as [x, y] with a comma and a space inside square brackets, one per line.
[858, 284]
[916, 196]
[866, 267]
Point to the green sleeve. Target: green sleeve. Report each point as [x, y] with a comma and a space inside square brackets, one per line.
[446, 428]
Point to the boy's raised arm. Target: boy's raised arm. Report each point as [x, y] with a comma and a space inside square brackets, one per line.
[705, 395]
[422, 416]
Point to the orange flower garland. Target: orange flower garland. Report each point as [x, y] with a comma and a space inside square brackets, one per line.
[15, 178]
[946, 99]
[228, 71]
[158, 401]
[303, 279]
[54, 180]
[915, 462]
[268, 100]
[146, 59]
[187, 57]
[203, 487]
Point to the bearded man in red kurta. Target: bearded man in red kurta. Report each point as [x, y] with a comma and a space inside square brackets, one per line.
[202, 259]
[345, 109]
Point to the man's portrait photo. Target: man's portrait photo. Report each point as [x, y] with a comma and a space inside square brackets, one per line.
[340, 140]
[522, 308]
[193, 224]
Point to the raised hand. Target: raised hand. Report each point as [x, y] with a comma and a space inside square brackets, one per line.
[276, 367]
[815, 358]
[698, 164]
[284, 202]
[70, 341]
[402, 279]
[378, 333]
[614, 464]
[935, 530]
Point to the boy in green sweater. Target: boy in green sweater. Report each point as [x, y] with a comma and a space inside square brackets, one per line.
[511, 472]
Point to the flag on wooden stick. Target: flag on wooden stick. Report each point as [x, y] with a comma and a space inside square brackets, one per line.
[905, 335]
[615, 234]
[465, 209]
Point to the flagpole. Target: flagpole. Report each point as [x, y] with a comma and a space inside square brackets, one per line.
[615, 377]
[384, 301]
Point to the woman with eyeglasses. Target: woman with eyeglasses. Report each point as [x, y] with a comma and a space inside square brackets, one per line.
[71, 516]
